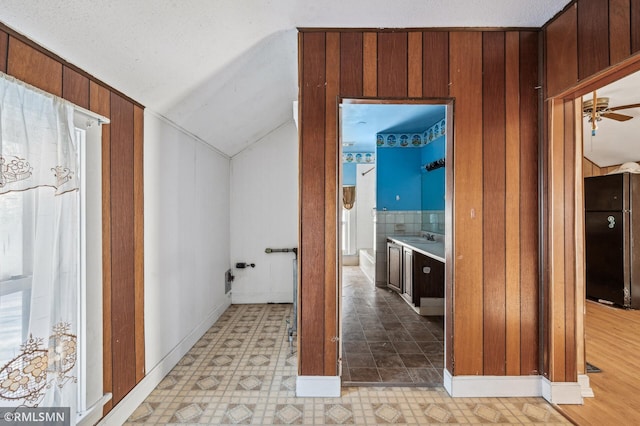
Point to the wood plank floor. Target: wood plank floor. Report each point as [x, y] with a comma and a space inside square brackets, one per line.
[612, 339]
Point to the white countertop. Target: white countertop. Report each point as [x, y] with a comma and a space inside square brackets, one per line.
[433, 249]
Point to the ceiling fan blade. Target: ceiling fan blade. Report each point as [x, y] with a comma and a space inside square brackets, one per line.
[616, 116]
[624, 107]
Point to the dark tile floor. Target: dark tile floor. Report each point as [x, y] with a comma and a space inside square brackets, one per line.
[384, 340]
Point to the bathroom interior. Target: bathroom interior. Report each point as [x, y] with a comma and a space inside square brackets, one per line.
[392, 240]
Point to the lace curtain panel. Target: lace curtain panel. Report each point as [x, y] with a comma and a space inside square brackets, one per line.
[39, 248]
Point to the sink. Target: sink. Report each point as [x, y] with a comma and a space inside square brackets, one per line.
[420, 240]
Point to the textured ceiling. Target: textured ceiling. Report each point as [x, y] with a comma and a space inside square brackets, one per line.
[615, 142]
[226, 70]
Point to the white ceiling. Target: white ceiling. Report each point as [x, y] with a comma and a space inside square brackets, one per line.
[615, 142]
[226, 70]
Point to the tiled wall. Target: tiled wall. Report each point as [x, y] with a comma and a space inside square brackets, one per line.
[433, 221]
[401, 222]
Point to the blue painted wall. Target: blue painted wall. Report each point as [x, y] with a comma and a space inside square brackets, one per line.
[349, 173]
[398, 173]
[433, 184]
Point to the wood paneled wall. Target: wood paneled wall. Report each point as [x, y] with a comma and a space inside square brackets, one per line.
[587, 38]
[590, 44]
[591, 169]
[492, 77]
[122, 197]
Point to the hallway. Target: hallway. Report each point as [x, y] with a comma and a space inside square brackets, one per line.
[384, 340]
[242, 372]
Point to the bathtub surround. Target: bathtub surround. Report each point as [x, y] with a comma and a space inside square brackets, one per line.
[367, 263]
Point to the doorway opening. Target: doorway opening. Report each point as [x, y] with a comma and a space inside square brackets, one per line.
[396, 194]
[603, 149]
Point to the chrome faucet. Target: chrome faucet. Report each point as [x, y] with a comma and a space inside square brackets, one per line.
[431, 237]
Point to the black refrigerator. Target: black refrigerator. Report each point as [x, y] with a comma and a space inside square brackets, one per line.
[612, 226]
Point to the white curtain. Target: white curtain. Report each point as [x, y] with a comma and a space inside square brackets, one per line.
[39, 248]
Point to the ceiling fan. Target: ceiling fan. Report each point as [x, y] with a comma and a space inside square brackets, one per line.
[602, 110]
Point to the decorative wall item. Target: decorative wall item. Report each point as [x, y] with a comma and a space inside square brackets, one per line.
[348, 196]
[412, 140]
[359, 157]
[434, 165]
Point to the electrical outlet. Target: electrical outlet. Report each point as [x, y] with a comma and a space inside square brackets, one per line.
[228, 279]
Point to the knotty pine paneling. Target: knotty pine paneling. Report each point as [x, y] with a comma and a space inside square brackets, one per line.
[123, 291]
[312, 204]
[561, 49]
[465, 60]
[494, 190]
[529, 217]
[619, 30]
[75, 87]
[351, 54]
[4, 48]
[34, 67]
[593, 46]
[435, 64]
[392, 64]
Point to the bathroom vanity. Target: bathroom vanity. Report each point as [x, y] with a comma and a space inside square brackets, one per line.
[415, 269]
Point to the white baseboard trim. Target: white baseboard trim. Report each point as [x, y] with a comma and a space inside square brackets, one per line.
[562, 392]
[491, 386]
[123, 410]
[93, 414]
[318, 386]
[512, 386]
[261, 297]
[585, 386]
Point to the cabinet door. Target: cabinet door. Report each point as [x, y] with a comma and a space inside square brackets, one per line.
[394, 267]
[407, 267]
[428, 277]
[437, 278]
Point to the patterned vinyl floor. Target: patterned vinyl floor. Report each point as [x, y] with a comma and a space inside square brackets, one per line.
[242, 371]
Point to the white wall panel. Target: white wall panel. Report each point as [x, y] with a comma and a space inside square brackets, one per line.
[264, 213]
[186, 187]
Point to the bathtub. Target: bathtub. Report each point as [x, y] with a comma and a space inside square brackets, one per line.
[367, 263]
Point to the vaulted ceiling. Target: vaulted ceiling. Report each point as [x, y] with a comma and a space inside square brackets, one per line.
[226, 70]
